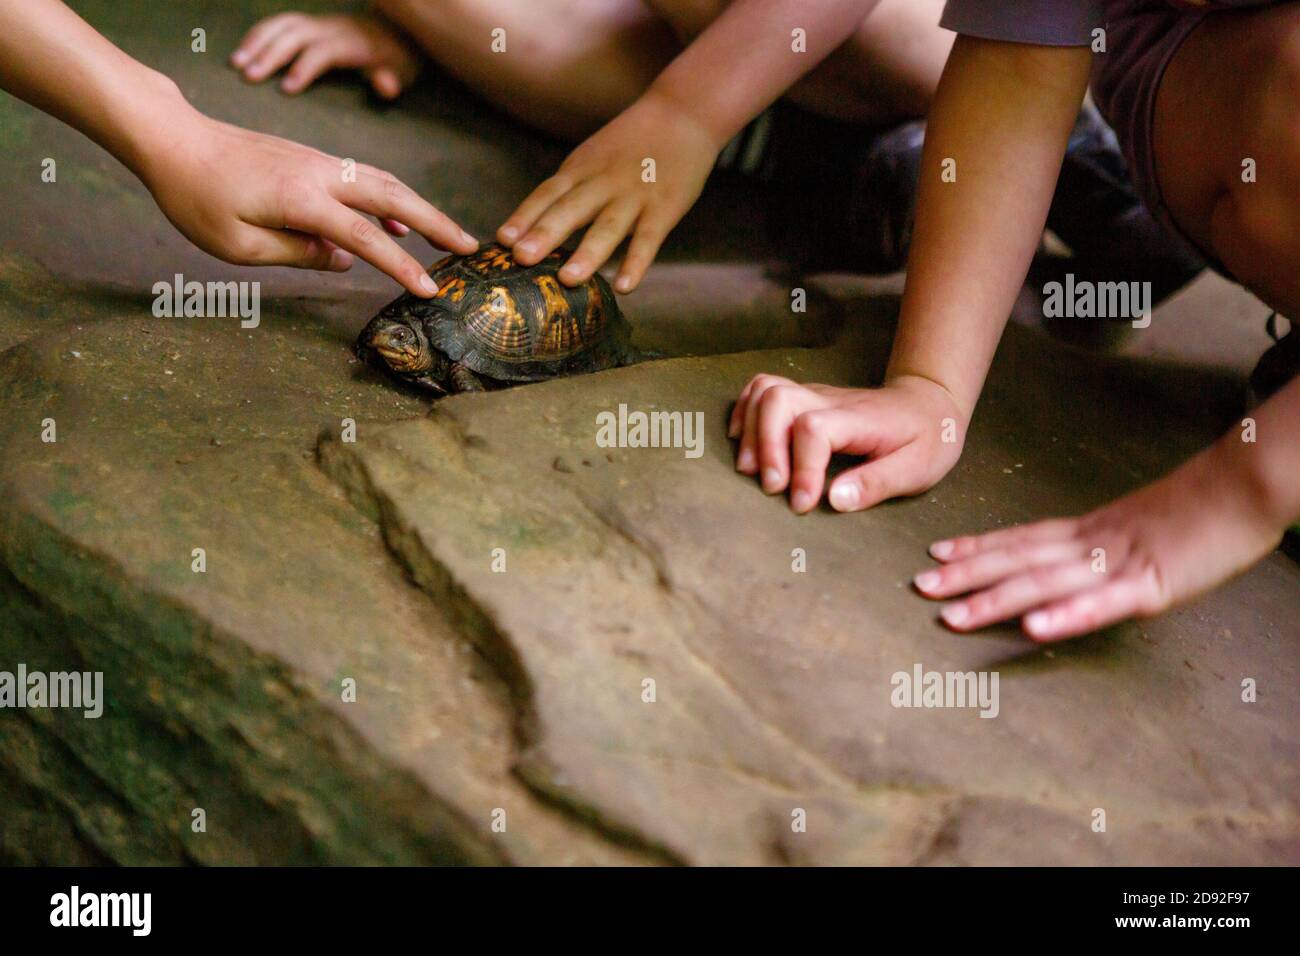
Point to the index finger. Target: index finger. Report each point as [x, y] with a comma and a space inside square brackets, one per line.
[387, 197]
[358, 235]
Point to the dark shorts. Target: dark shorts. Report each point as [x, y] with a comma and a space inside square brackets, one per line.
[1142, 37]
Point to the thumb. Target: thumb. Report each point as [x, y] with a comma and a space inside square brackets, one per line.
[386, 82]
[880, 479]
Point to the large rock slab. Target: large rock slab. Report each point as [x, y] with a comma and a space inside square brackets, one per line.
[226, 688]
[773, 686]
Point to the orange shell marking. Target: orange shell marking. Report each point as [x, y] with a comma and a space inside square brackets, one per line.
[453, 289]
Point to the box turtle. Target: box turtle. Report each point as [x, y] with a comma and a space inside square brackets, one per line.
[495, 323]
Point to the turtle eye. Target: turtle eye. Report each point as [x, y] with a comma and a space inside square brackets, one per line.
[404, 335]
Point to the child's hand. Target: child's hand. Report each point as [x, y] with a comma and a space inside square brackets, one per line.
[259, 200]
[912, 429]
[316, 45]
[1136, 557]
[604, 183]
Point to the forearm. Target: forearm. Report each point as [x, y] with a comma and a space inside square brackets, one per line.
[999, 126]
[54, 60]
[1258, 461]
[746, 58]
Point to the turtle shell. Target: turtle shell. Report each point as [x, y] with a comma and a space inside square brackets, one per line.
[520, 323]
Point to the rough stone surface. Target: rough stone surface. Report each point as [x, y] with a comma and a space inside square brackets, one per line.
[522, 691]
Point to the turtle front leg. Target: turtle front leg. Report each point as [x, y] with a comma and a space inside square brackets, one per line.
[464, 380]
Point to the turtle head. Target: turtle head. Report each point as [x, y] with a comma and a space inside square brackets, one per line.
[396, 343]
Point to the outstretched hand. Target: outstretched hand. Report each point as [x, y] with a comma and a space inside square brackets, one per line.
[1136, 557]
[254, 199]
[638, 175]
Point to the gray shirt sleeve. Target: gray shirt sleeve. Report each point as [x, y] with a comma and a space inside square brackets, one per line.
[1049, 22]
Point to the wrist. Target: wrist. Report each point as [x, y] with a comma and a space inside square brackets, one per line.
[664, 97]
[154, 117]
[1263, 493]
[902, 378]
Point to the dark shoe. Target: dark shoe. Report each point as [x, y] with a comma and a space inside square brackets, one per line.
[882, 203]
[1097, 213]
[1095, 210]
[1278, 365]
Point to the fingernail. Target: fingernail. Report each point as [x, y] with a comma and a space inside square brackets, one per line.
[1037, 622]
[528, 248]
[508, 233]
[955, 614]
[844, 497]
[733, 431]
[427, 284]
[927, 580]
[571, 272]
[466, 238]
[239, 57]
[623, 284]
[942, 549]
[771, 479]
[746, 461]
[801, 501]
[340, 260]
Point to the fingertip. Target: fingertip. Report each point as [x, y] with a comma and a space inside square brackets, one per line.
[845, 496]
[340, 260]
[801, 501]
[386, 84]
[239, 57]
[771, 480]
[745, 462]
[426, 287]
[528, 252]
[507, 234]
[927, 581]
[624, 284]
[574, 274]
[942, 550]
[1037, 626]
[956, 615]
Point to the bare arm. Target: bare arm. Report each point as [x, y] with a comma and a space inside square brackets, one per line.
[747, 58]
[1002, 114]
[242, 196]
[54, 60]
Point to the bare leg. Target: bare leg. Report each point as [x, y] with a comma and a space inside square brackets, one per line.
[569, 65]
[887, 72]
[1232, 93]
